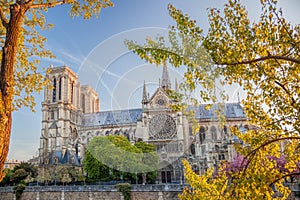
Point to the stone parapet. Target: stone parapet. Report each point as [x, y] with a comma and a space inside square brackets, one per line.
[94, 192]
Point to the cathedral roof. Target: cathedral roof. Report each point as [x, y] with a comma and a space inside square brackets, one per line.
[69, 158]
[58, 157]
[231, 110]
[118, 117]
[55, 155]
[129, 116]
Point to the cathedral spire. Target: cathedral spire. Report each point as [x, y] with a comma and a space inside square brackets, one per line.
[145, 98]
[166, 83]
[176, 85]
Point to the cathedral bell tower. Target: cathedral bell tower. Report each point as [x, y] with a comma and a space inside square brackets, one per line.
[60, 112]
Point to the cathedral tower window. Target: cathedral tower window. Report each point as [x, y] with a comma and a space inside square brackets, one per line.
[83, 103]
[54, 90]
[52, 114]
[72, 91]
[59, 88]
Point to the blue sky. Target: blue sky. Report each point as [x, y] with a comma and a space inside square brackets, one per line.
[94, 49]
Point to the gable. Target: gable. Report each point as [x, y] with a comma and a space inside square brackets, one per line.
[159, 98]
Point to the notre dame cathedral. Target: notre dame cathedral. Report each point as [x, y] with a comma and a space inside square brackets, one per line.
[71, 117]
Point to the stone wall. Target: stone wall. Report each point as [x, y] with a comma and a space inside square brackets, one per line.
[138, 192]
[6, 195]
[154, 195]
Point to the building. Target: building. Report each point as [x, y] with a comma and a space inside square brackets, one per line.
[34, 161]
[72, 117]
[10, 164]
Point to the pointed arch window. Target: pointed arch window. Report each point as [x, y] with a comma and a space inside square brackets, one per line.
[193, 149]
[72, 92]
[213, 132]
[59, 88]
[83, 103]
[225, 129]
[52, 114]
[54, 90]
[202, 134]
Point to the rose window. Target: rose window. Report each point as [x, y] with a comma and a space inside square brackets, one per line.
[162, 127]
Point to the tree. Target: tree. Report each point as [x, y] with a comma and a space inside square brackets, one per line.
[44, 176]
[18, 176]
[64, 173]
[25, 172]
[66, 178]
[28, 167]
[115, 158]
[263, 58]
[81, 177]
[149, 157]
[6, 180]
[21, 43]
[95, 169]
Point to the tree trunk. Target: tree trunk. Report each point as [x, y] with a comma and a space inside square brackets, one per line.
[9, 52]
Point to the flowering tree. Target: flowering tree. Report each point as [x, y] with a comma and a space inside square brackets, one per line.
[21, 45]
[263, 58]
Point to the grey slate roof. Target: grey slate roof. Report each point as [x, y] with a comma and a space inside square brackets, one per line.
[128, 116]
[231, 110]
[118, 117]
[67, 158]
[53, 155]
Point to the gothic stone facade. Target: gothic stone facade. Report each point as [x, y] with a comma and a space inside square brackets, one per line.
[72, 117]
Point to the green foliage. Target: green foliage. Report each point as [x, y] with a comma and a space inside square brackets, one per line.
[145, 147]
[115, 158]
[60, 174]
[18, 176]
[125, 188]
[44, 176]
[18, 190]
[64, 173]
[28, 167]
[95, 169]
[25, 172]
[150, 158]
[261, 57]
[6, 180]
[81, 177]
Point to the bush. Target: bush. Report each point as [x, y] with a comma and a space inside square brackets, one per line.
[125, 189]
[18, 190]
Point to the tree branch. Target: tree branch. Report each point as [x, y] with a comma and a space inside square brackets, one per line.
[3, 18]
[261, 59]
[253, 152]
[284, 26]
[47, 5]
[284, 176]
[294, 103]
